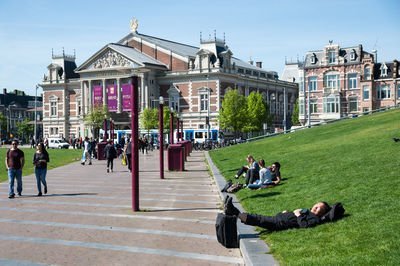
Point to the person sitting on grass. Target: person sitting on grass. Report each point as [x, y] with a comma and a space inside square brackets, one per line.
[300, 218]
[275, 175]
[265, 177]
[251, 170]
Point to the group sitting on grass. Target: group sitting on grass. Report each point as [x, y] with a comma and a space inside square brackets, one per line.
[257, 176]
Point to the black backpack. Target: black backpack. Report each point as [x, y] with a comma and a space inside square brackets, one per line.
[227, 185]
[335, 213]
[227, 230]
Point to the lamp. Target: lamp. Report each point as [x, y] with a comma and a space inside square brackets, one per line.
[161, 135]
[161, 100]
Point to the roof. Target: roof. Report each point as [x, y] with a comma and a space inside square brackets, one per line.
[184, 49]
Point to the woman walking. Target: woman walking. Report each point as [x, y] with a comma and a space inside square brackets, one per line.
[110, 153]
[40, 160]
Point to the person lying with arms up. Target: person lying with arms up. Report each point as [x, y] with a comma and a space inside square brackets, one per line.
[300, 218]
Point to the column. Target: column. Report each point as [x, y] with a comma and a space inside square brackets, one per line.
[119, 96]
[82, 98]
[142, 93]
[90, 94]
[104, 92]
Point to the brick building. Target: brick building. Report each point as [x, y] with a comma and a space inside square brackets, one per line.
[336, 82]
[193, 80]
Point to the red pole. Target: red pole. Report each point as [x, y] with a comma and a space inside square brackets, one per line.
[105, 131]
[161, 136]
[112, 131]
[171, 127]
[177, 128]
[135, 144]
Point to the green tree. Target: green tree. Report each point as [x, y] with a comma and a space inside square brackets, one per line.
[3, 124]
[257, 112]
[166, 119]
[149, 119]
[24, 129]
[233, 113]
[295, 115]
[95, 118]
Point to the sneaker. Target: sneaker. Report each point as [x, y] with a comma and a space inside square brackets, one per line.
[108, 170]
[39, 194]
[82, 163]
[19, 194]
[235, 177]
[11, 196]
[90, 163]
[230, 209]
[45, 190]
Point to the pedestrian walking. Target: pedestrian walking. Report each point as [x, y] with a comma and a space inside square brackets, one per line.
[128, 154]
[110, 154]
[86, 148]
[40, 160]
[33, 143]
[15, 160]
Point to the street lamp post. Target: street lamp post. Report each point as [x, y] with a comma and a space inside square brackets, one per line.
[171, 126]
[208, 109]
[182, 137]
[105, 129]
[161, 135]
[135, 143]
[35, 130]
[177, 128]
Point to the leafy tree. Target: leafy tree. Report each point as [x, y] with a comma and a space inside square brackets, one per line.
[95, 118]
[166, 119]
[295, 115]
[24, 129]
[257, 112]
[149, 119]
[3, 124]
[233, 114]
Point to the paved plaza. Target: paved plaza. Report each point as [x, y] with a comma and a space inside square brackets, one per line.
[87, 219]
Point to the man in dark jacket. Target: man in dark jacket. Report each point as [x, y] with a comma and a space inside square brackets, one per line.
[300, 218]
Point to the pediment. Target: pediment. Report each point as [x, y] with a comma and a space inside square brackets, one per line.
[111, 59]
[173, 90]
[204, 52]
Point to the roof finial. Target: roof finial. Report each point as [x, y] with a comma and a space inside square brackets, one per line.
[224, 37]
[330, 42]
[63, 52]
[134, 25]
[200, 37]
[215, 35]
[52, 53]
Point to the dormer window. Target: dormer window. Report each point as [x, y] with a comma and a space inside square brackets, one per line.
[331, 54]
[353, 55]
[313, 59]
[384, 70]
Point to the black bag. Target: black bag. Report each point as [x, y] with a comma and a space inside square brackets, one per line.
[225, 226]
[336, 212]
[235, 187]
[227, 185]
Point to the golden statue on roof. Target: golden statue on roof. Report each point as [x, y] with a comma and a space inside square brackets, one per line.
[134, 24]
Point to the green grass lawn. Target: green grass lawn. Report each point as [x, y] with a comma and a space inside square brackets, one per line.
[57, 158]
[355, 162]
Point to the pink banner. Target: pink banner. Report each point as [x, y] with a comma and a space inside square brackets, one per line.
[112, 98]
[98, 95]
[126, 97]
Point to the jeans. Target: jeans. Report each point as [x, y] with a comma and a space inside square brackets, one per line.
[251, 176]
[110, 162]
[12, 174]
[40, 178]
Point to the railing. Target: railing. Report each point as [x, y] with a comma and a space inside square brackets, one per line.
[325, 122]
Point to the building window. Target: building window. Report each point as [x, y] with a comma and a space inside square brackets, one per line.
[174, 103]
[301, 84]
[352, 81]
[366, 92]
[366, 109]
[313, 59]
[383, 92]
[353, 104]
[332, 81]
[272, 107]
[398, 91]
[203, 102]
[312, 83]
[53, 108]
[367, 73]
[278, 108]
[314, 106]
[353, 55]
[384, 72]
[331, 105]
[332, 58]
[301, 106]
[79, 109]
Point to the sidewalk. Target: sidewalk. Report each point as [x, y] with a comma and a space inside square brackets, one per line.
[87, 218]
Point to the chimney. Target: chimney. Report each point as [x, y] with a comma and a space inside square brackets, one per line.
[4, 90]
[259, 64]
[375, 54]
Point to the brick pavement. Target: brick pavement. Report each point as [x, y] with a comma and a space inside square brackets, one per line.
[87, 218]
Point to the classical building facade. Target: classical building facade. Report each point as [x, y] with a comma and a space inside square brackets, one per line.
[336, 82]
[193, 80]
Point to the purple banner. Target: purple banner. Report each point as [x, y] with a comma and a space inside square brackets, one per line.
[98, 95]
[126, 97]
[112, 98]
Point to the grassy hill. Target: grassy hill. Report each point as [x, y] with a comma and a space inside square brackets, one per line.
[355, 162]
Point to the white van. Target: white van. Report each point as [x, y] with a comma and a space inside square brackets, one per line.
[57, 143]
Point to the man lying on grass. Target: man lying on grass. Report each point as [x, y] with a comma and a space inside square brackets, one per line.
[300, 218]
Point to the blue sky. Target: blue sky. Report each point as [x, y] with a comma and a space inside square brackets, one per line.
[265, 30]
